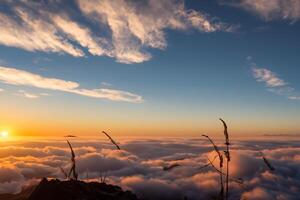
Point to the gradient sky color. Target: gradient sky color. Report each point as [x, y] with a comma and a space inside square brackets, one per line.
[229, 59]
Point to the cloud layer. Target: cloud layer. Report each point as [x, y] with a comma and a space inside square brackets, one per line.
[20, 77]
[120, 29]
[139, 166]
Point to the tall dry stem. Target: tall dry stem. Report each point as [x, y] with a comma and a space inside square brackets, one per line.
[73, 168]
[220, 164]
[227, 155]
[112, 140]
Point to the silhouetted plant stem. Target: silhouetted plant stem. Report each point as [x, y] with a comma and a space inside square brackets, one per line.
[220, 165]
[237, 180]
[112, 140]
[227, 173]
[227, 155]
[73, 168]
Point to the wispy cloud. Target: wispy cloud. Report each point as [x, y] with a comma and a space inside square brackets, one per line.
[41, 59]
[44, 94]
[28, 95]
[135, 25]
[270, 9]
[33, 34]
[294, 97]
[106, 84]
[1, 90]
[125, 28]
[274, 83]
[20, 77]
[268, 77]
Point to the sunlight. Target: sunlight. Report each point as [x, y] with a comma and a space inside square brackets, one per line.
[4, 134]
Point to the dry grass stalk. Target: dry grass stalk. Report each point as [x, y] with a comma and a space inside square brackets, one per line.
[70, 136]
[170, 167]
[227, 155]
[237, 180]
[64, 172]
[225, 132]
[73, 168]
[103, 177]
[87, 174]
[208, 164]
[266, 161]
[216, 150]
[220, 164]
[268, 164]
[112, 141]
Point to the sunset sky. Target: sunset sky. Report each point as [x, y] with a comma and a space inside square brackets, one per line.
[149, 68]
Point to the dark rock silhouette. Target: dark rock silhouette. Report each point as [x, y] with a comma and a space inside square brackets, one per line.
[72, 190]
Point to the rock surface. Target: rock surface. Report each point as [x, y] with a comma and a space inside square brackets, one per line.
[73, 190]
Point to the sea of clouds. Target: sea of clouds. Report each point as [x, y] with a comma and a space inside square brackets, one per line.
[139, 166]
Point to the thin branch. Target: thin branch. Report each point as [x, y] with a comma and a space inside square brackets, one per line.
[167, 168]
[227, 155]
[73, 168]
[237, 180]
[70, 136]
[268, 164]
[225, 131]
[266, 161]
[216, 149]
[112, 141]
[208, 164]
[64, 172]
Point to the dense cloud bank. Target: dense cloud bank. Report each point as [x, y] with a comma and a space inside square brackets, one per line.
[139, 166]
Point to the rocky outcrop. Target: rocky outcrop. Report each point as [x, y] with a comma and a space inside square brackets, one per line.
[72, 190]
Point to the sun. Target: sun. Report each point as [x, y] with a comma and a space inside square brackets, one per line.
[4, 134]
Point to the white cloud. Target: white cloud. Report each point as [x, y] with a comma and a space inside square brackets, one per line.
[268, 77]
[106, 84]
[20, 77]
[44, 94]
[27, 94]
[30, 95]
[294, 97]
[33, 34]
[136, 25]
[1, 90]
[274, 83]
[124, 29]
[272, 9]
[81, 35]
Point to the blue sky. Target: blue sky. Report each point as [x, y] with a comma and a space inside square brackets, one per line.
[179, 72]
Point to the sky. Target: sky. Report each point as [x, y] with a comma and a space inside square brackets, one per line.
[149, 68]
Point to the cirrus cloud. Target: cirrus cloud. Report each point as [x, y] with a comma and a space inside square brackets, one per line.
[274, 83]
[268, 77]
[20, 77]
[121, 29]
[270, 9]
